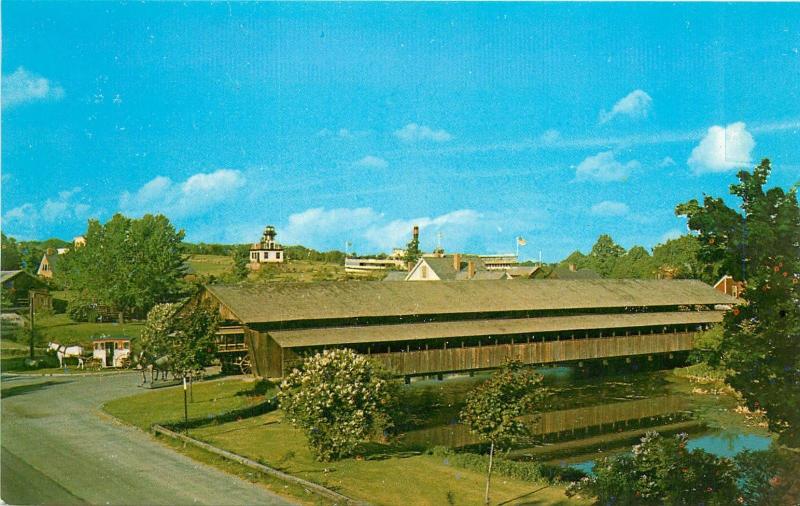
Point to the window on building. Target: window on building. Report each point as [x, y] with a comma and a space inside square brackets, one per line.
[424, 271]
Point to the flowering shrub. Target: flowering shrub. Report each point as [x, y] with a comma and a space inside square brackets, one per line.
[339, 399]
[661, 471]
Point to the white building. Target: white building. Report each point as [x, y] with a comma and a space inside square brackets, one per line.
[267, 251]
[367, 265]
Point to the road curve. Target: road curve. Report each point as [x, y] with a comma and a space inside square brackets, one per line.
[59, 448]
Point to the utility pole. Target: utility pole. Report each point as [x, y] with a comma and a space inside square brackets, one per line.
[185, 407]
[31, 315]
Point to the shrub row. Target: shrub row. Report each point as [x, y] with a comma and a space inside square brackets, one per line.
[534, 472]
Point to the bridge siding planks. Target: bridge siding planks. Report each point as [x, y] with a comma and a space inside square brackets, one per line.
[490, 356]
[273, 361]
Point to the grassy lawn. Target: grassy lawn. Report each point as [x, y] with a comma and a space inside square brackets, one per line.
[59, 328]
[165, 405]
[384, 476]
[215, 265]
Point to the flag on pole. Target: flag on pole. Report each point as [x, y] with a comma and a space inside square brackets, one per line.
[521, 241]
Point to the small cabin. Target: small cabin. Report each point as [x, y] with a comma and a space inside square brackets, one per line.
[112, 351]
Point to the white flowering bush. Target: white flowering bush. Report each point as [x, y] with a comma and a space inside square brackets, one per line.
[339, 398]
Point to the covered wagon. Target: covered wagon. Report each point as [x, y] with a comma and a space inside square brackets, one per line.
[112, 351]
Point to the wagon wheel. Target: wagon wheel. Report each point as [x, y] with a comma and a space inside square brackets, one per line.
[245, 365]
[95, 364]
[125, 362]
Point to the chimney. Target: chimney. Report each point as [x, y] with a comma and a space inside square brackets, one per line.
[470, 269]
[416, 232]
[573, 268]
[457, 261]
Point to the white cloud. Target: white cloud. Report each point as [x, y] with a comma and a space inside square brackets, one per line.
[414, 133]
[196, 195]
[343, 133]
[29, 220]
[370, 231]
[610, 208]
[329, 228]
[22, 87]
[457, 226]
[669, 235]
[667, 161]
[604, 167]
[636, 104]
[372, 162]
[722, 149]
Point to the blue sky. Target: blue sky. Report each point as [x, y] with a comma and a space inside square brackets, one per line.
[351, 122]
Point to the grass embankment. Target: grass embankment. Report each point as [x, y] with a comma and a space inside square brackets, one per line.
[291, 270]
[382, 475]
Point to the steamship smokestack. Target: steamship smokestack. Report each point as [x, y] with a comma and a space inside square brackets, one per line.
[416, 232]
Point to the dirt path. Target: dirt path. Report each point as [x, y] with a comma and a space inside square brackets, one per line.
[59, 448]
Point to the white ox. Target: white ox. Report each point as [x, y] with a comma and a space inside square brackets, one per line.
[63, 351]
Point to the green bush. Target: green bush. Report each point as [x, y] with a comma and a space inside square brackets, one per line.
[60, 306]
[661, 471]
[80, 310]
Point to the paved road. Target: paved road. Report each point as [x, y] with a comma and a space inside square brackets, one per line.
[59, 448]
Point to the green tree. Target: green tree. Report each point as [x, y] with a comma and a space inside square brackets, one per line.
[9, 255]
[159, 326]
[128, 264]
[412, 251]
[635, 264]
[193, 343]
[604, 255]
[576, 258]
[661, 471]
[761, 245]
[241, 257]
[339, 398]
[493, 409]
[185, 335]
[680, 257]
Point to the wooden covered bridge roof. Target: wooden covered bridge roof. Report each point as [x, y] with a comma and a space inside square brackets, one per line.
[480, 328]
[288, 302]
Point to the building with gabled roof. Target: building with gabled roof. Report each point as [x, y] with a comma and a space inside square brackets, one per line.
[50, 261]
[730, 286]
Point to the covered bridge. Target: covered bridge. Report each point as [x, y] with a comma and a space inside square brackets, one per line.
[450, 326]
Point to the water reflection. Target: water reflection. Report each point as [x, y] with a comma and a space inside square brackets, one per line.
[586, 418]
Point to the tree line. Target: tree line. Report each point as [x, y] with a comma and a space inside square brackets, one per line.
[676, 258]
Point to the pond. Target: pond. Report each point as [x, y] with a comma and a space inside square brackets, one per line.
[589, 416]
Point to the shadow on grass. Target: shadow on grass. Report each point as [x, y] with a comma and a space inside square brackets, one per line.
[523, 496]
[384, 451]
[244, 428]
[26, 389]
[234, 415]
[260, 389]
